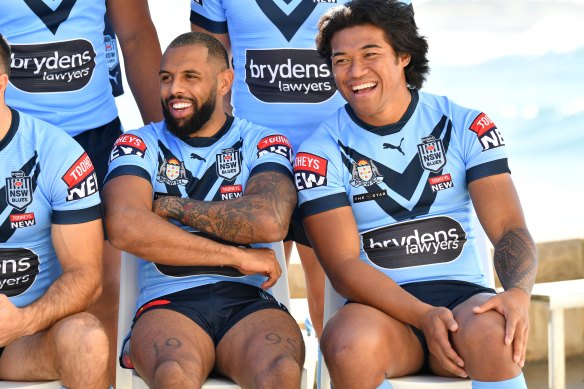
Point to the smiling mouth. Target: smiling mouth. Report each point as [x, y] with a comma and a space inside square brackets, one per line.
[363, 88]
[181, 105]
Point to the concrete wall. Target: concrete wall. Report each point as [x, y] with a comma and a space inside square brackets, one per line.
[562, 260]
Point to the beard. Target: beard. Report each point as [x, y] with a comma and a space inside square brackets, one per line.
[190, 125]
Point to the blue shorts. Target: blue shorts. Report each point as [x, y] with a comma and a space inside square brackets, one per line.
[216, 308]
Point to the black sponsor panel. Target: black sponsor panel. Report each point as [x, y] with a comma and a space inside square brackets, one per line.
[288, 76]
[415, 243]
[52, 67]
[18, 270]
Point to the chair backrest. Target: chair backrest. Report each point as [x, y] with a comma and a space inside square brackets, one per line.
[333, 301]
[126, 378]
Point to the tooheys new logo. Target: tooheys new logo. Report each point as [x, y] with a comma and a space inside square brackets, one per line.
[52, 67]
[288, 76]
[18, 270]
[415, 243]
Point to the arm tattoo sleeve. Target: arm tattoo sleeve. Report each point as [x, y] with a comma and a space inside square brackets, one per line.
[516, 260]
[239, 220]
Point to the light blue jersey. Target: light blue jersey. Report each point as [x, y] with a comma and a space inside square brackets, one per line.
[406, 184]
[280, 81]
[207, 169]
[45, 178]
[59, 64]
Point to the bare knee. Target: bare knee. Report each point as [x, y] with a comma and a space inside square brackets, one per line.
[82, 332]
[283, 372]
[480, 341]
[170, 374]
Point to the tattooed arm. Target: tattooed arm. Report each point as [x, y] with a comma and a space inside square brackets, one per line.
[261, 215]
[499, 210]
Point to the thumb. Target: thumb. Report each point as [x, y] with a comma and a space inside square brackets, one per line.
[450, 323]
[484, 307]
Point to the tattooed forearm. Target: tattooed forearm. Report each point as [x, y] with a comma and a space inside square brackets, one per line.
[516, 260]
[267, 205]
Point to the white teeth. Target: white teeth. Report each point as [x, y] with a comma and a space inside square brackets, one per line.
[363, 86]
[181, 105]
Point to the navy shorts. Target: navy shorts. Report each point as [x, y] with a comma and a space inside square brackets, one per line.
[296, 230]
[443, 293]
[98, 144]
[216, 308]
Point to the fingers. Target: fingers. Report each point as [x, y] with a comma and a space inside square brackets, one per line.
[273, 274]
[448, 358]
[486, 306]
[519, 343]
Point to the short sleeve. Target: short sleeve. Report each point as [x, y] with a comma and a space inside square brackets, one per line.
[134, 153]
[210, 15]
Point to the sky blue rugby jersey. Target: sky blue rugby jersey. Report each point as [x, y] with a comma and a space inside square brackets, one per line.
[280, 81]
[209, 169]
[59, 64]
[45, 178]
[406, 184]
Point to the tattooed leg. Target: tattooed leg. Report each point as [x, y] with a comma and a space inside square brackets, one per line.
[265, 349]
[170, 350]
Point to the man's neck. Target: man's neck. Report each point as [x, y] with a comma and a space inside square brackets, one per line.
[212, 127]
[5, 119]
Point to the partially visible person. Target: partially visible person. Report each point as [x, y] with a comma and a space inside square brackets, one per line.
[50, 253]
[385, 188]
[280, 82]
[225, 186]
[60, 75]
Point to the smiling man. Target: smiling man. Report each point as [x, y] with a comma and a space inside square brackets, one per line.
[385, 188]
[221, 188]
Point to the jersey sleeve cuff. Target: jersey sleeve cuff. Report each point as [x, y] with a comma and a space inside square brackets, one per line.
[492, 168]
[271, 167]
[128, 170]
[324, 204]
[77, 216]
[208, 24]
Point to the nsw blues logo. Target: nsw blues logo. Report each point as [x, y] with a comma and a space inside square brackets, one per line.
[229, 164]
[19, 190]
[432, 154]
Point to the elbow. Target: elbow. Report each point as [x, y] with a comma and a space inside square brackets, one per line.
[119, 231]
[273, 229]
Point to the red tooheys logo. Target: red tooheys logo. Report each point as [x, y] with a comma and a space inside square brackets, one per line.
[487, 132]
[277, 144]
[309, 171]
[80, 179]
[128, 145]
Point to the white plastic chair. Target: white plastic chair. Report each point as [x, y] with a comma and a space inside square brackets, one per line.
[129, 379]
[333, 301]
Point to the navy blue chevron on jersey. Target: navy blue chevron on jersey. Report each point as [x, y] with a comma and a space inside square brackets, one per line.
[280, 81]
[206, 169]
[59, 66]
[45, 178]
[407, 185]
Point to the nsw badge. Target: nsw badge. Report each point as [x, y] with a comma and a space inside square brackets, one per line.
[229, 163]
[19, 190]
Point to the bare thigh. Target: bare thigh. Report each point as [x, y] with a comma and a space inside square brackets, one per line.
[162, 335]
[256, 343]
[360, 338]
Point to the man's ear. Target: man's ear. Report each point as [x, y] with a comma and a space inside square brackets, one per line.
[224, 81]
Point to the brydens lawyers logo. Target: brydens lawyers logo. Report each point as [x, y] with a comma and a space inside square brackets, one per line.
[288, 76]
[18, 270]
[309, 171]
[52, 67]
[128, 145]
[415, 243]
[277, 144]
[18, 190]
[487, 132]
[80, 179]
